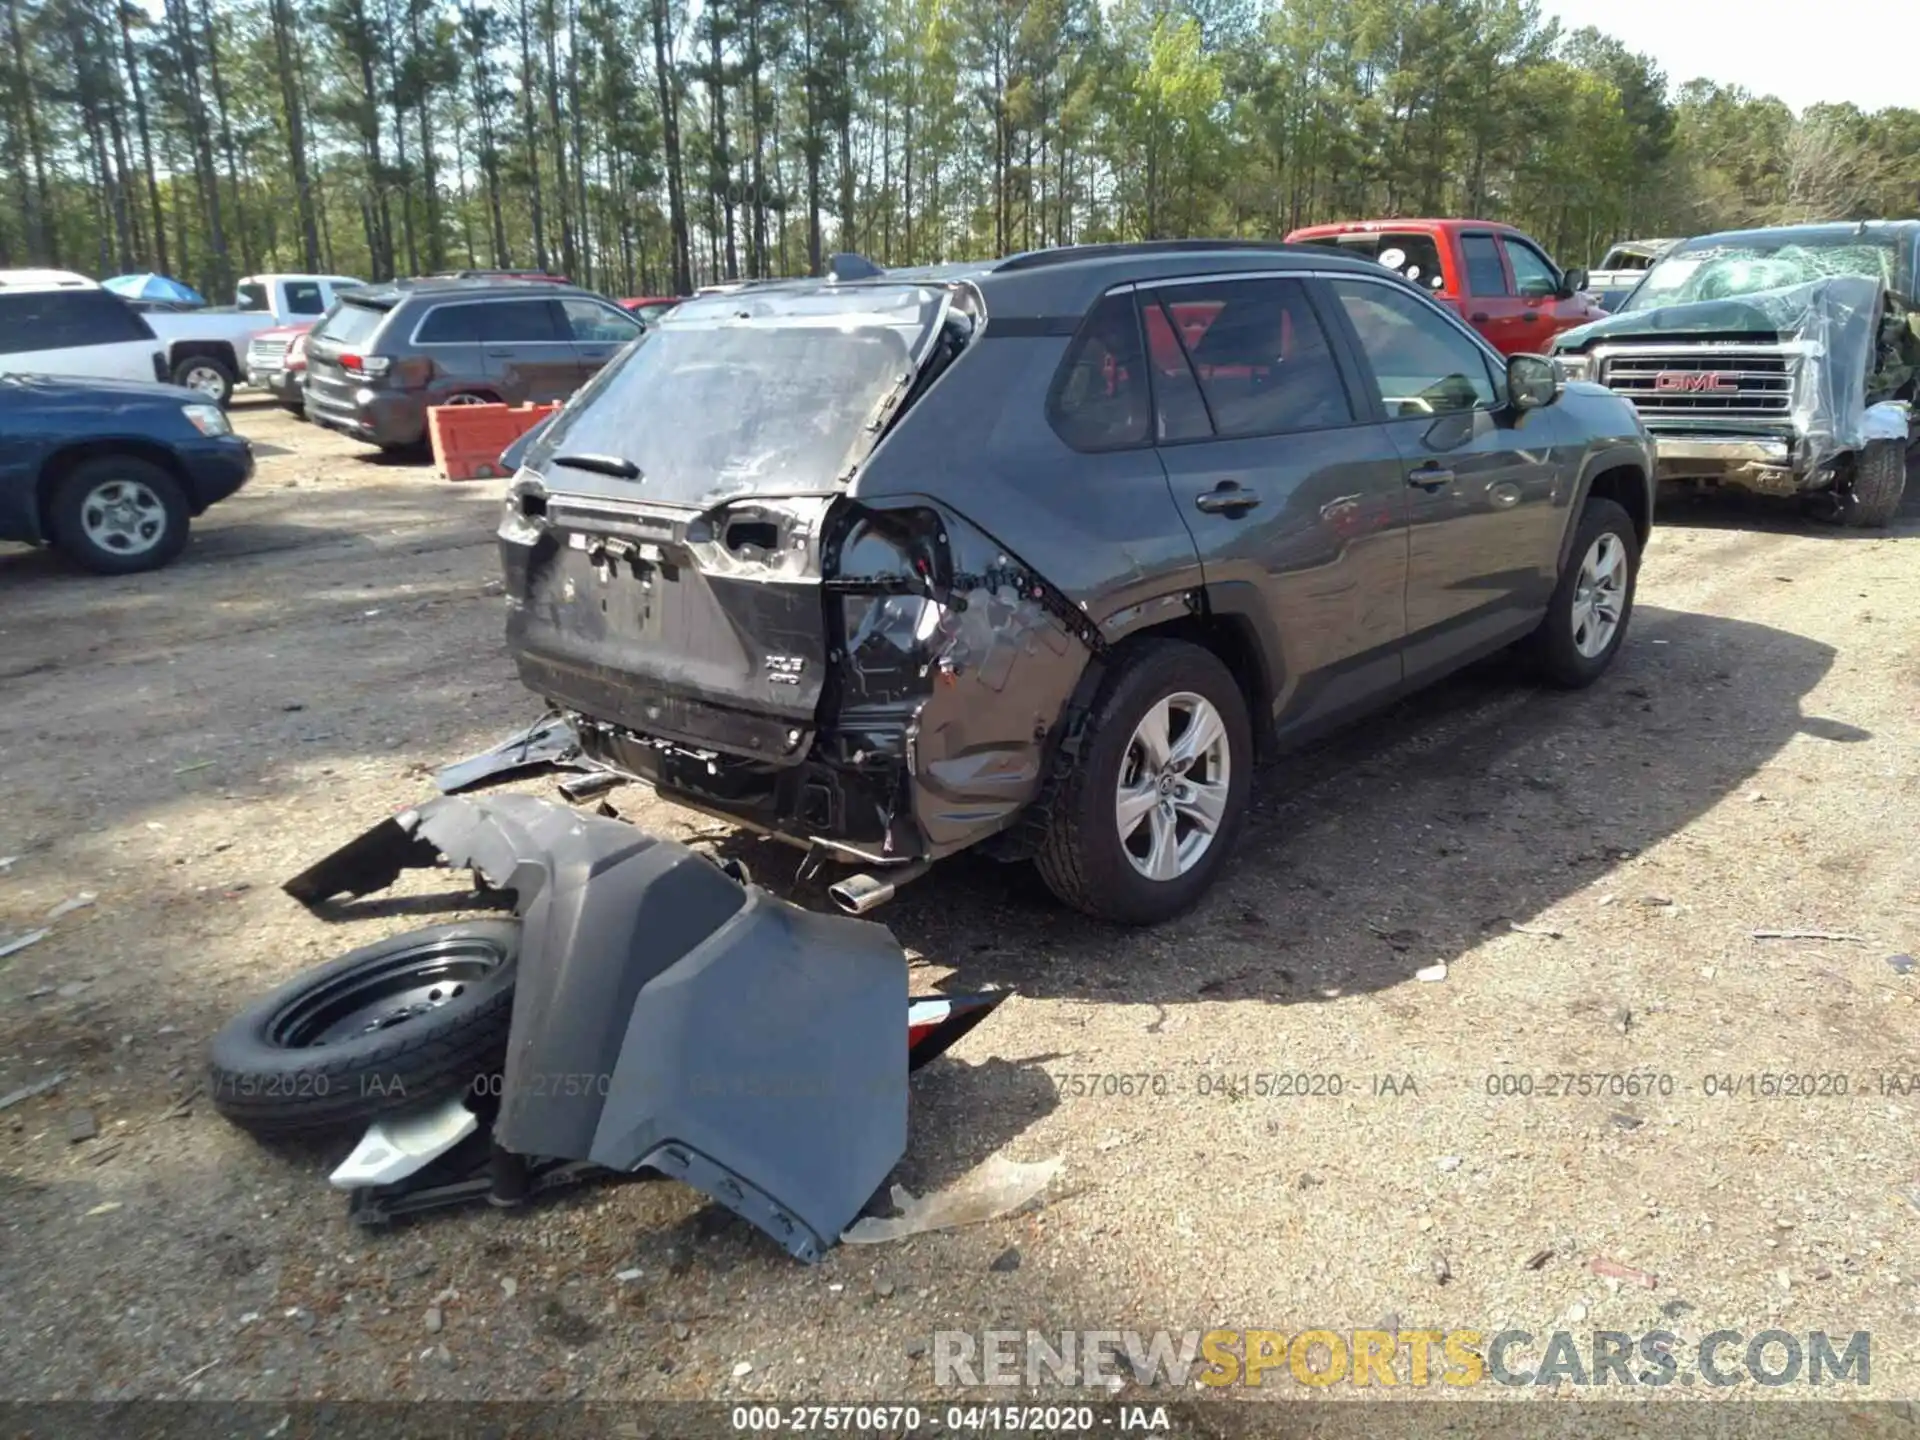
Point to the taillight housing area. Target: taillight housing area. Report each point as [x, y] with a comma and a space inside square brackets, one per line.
[761, 539]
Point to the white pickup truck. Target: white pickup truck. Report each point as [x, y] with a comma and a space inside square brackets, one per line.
[207, 348]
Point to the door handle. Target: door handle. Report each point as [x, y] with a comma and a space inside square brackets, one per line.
[1479, 317]
[1430, 478]
[501, 355]
[1226, 498]
[1531, 316]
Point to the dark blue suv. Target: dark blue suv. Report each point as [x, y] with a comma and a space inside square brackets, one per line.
[109, 472]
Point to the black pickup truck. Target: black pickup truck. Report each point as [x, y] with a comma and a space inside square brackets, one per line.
[1781, 360]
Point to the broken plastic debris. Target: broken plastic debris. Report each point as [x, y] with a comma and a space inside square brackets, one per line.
[1885, 421]
[27, 1092]
[1433, 973]
[994, 1187]
[67, 907]
[32, 937]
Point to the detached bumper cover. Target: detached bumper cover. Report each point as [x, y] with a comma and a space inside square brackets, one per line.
[668, 1017]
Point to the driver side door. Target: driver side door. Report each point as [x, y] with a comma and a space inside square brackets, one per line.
[1481, 483]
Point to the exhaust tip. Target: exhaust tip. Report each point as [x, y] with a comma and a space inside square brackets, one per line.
[858, 894]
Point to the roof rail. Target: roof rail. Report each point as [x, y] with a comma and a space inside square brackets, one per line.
[848, 266]
[1067, 254]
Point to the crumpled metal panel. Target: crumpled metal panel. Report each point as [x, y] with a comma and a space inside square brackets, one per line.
[666, 1015]
[1839, 326]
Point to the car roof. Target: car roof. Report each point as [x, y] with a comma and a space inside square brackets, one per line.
[1364, 227]
[1063, 283]
[45, 280]
[390, 293]
[1829, 230]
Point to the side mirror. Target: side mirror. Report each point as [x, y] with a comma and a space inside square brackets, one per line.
[1572, 282]
[1532, 381]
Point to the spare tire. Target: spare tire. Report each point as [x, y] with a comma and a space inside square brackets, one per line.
[410, 1019]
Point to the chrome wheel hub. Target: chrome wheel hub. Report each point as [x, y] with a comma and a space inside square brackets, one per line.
[1599, 596]
[123, 517]
[1172, 795]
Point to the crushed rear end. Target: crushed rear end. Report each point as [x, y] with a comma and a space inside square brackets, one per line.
[692, 579]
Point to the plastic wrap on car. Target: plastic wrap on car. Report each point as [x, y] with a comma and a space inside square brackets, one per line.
[1856, 344]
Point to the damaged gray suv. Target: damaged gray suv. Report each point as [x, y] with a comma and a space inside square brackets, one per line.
[1039, 555]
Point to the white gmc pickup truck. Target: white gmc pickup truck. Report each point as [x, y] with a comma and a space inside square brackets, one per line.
[207, 348]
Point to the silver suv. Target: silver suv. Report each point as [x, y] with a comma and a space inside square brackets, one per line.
[384, 355]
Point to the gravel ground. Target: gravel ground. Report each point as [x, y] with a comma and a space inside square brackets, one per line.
[1586, 873]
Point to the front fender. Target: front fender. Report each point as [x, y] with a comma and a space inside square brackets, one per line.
[668, 1016]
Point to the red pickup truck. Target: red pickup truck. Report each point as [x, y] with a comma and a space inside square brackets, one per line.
[1499, 279]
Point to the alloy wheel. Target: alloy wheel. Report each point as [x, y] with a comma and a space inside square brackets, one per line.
[123, 517]
[1599, 595]
[1172, 794]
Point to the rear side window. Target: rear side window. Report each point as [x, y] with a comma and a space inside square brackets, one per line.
[1485, 274]
[1262, 359]
[519, 322]
[303, 298]
[253, 296]
[1100, 400]
[451, 325]
[66, 320]
[351, 324]
[1414, 253]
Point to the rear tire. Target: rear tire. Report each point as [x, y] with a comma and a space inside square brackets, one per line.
[331, 1048]
[119, 515]
[211, 377]
[1562, 650]
[1084, 858]
[1879, 482]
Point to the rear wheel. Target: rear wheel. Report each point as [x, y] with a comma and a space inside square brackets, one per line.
[1143, 825]
[209, 376]
[1879, 482]
[119, 515]
[1587, 617]
[410, 1019]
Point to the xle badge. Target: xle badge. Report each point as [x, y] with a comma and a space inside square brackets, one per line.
[785, 669]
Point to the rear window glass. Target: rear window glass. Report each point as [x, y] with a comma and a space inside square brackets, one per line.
[451, 325]
[65, 320]
[1413, 253]
[350, 323]
[1100, 399]
[741, 393]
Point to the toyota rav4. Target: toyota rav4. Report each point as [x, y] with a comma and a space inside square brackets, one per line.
[1036, 554]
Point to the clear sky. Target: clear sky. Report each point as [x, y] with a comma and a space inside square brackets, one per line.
[1804, 51]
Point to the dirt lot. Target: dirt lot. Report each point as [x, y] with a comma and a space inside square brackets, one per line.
[179, 744]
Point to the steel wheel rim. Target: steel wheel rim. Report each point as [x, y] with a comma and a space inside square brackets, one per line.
[123, 517]
[205, 379]
[1599, 596]
[1171, 798]
[468, 400]
[401, 988]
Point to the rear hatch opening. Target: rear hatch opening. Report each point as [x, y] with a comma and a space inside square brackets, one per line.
[666, 540]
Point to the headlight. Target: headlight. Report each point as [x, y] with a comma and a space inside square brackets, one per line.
[207, 419]
[1574, 367]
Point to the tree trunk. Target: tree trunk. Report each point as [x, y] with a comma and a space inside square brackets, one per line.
[292, 108]
[532, 135]
[43, 242]
[226, 133]
[682, 258]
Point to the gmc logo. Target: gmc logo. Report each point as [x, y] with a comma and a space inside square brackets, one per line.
[1710, 382]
